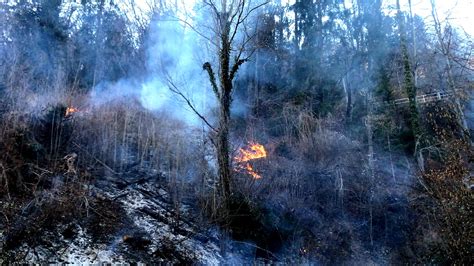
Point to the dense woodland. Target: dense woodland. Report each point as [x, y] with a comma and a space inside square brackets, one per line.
[235, 131]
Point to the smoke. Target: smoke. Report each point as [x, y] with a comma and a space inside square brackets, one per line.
[174, 55]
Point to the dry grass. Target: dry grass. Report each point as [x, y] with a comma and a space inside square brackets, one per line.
[47, 169]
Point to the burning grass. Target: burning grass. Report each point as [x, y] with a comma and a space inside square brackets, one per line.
[252, 151]
[70, 110]
[315, 191]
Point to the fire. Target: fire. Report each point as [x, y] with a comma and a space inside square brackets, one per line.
[71, 110]
[253, 151]
[247, 168]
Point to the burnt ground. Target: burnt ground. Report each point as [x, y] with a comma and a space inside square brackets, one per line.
[125, 221]
[132, 217]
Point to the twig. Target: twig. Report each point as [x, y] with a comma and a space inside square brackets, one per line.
[4, 176]
[120, 195]
[257, 247]
[93, 157]
[176, 90]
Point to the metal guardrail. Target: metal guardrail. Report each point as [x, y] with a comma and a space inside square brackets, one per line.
[420, 99]
[426, 98]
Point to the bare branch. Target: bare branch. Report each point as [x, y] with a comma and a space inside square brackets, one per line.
[239, 21]
[214, 8]
[237, 12]
[173, 88]
[195, 30]
[253, 9]
[242, 46]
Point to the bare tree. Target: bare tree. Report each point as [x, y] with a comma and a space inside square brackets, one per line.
[230, 37]
[230, 18]
[444, 44]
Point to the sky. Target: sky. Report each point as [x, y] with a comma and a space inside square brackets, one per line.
[459, 12]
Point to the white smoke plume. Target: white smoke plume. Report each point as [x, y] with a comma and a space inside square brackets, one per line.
[175, 53]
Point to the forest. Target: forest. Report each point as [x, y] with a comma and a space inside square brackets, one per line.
[239, 132]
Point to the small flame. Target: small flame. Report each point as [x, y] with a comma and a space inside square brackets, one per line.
[251, 152]
[71, 110]
[247, 168]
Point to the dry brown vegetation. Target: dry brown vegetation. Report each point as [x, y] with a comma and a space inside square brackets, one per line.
[51, 159]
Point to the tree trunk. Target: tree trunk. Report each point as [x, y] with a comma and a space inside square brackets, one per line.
[370, 156]
[413, 32]
[224, 113]
[348, 91]
[256, 94]
[409, 80]
[223, 148]
[227, 28]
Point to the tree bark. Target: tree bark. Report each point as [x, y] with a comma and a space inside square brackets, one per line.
[224, 112]
[223, 149]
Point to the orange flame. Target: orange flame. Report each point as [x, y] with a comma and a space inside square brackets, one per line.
[71, 110]
[251, 152]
